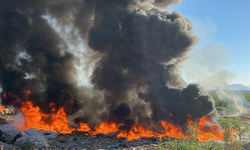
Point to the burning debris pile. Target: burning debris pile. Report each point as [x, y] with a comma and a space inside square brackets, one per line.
[138, 49]
[58, 123]
[10, 110]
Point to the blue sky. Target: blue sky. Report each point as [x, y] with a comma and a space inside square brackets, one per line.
[225, 23]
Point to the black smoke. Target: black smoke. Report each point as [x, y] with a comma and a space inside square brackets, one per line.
[139, 48]
[24, 31]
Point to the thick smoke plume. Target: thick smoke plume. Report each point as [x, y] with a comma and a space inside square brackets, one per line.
[139, 48]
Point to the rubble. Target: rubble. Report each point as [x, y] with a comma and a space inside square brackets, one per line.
[20, 142]
[6, 146]
[37, 140]
[34, 140]
[10, 110]
[7, 127]
[49, 134]
[48, 139]
[32, 131]
[11, 135]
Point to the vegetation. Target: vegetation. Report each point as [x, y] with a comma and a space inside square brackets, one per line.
[231, 128]
[238, 126]
[227, 125]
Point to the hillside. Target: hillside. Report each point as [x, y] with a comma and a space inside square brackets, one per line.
[239, 87]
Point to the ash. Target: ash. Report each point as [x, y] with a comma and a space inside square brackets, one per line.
[89, 142]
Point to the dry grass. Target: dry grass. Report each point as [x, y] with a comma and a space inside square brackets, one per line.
[8, 118]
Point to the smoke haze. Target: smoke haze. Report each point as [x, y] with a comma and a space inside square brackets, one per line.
[206, 66]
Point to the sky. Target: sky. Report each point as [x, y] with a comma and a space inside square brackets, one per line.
[224, 24]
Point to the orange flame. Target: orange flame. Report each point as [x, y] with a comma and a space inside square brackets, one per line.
[84, 127]
[36, 119]
[105, 128]
[137, 132]
[2, 108]
[57, 122]
[211, 133]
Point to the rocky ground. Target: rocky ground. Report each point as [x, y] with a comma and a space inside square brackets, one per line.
[35, 139]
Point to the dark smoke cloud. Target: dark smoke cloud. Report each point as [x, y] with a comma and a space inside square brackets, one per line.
[140, 49]
[23, 29]
[139, 69]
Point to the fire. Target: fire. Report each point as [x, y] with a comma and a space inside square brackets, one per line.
[36, 119]
[57, 122]
[248, 116]
[137, 132]
[105, 128]
[171, 130]
[2, 108]
[213, 133]
[84, 127]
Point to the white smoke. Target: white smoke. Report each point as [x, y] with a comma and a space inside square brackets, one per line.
[19, 122]
[206, 67]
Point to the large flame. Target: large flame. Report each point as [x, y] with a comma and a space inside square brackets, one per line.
[212, 133]
[57, 122]
[105, 128]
